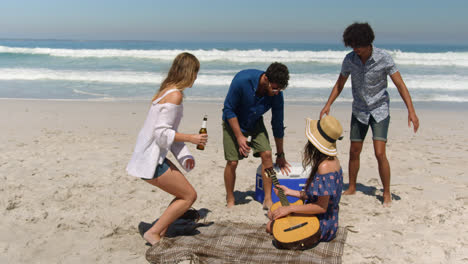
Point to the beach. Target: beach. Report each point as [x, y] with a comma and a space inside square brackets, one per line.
[66, 198]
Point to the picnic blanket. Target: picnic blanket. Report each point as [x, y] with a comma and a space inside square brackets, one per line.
[227, 242]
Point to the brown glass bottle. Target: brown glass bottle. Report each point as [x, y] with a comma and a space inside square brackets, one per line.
[249, 143]
[203, 131]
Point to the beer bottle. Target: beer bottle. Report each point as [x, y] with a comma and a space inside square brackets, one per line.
[249, 143]
[203, 131]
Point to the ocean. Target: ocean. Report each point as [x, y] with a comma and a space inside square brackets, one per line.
[133, 70]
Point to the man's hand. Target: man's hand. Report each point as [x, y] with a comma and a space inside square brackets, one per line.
[244, 149]
[284, 166]
[339, 85]
[413, 118]
[325, 110]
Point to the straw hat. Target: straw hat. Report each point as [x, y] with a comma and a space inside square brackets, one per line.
[323, 134]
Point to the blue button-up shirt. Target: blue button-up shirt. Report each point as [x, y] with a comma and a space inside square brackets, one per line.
[369, 84]
[241, 102]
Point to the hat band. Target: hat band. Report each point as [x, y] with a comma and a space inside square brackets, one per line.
[324, 135]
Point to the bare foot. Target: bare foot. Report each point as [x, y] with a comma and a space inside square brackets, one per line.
[151, 238]
[349, 192]
[387, 200]
[267, 205]
[230, 204]
[268, 227]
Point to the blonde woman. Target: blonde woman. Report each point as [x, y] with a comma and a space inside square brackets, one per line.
[159, 136]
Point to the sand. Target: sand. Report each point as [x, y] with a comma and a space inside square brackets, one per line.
[65, 196]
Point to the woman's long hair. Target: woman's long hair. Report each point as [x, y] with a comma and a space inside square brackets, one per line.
[312, 156]
[182, 73]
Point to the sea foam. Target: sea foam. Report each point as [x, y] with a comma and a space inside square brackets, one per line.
[219, 78]
[458, 59]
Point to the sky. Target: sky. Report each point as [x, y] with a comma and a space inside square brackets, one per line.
[397, 21]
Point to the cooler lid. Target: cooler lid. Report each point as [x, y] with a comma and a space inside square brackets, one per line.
[296, 171]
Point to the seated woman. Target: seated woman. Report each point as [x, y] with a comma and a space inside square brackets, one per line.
[324, 186]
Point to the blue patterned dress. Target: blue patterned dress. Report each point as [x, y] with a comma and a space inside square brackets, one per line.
[327, 184]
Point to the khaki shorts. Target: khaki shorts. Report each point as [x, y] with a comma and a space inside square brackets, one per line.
[260, 141]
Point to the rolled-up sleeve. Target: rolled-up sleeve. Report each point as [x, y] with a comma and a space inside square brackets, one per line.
[390, 66]
[182, 154]
[163, 132]
[277, 116]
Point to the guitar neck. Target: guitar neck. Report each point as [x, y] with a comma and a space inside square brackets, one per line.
[270, 172]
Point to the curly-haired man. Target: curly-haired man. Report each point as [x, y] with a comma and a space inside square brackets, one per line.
[369, 67]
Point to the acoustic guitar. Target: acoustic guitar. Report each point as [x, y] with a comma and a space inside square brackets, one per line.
[295, 231]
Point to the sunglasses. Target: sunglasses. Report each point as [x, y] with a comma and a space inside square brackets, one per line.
[276, 89]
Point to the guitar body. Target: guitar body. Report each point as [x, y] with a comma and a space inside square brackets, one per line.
[278, 204]
[295, 231]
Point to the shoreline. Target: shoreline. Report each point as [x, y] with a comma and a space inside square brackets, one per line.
[426, 105]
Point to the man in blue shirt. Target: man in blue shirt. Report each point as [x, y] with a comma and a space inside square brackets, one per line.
[369, 67]
[251, 94]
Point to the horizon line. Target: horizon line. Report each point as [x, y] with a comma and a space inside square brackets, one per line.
[228, 41]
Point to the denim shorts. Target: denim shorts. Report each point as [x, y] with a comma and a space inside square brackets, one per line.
[160, 169]
[379, 130]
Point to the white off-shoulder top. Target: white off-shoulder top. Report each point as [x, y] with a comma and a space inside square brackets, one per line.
[156, 138]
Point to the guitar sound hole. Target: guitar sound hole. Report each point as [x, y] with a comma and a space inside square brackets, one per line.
[295, 227]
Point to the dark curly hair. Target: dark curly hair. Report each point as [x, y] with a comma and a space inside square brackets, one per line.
[358, 35]
[278, 73]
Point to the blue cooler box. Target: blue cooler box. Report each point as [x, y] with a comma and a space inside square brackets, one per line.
[296, 181]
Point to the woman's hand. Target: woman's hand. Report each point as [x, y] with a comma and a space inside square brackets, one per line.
[189, 164]
[285, 189]
[199, 139]
[270, 215]
[280, 212]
